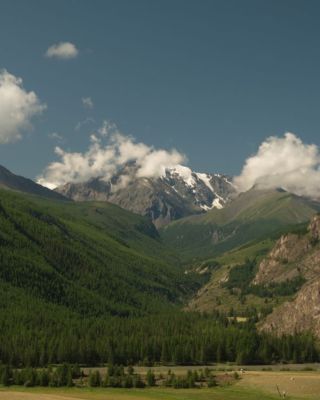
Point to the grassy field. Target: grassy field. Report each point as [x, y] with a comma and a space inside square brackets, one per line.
[296, 384]
[257, 384]
[227, 393]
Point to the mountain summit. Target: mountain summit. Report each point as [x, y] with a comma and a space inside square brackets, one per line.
[178, 193]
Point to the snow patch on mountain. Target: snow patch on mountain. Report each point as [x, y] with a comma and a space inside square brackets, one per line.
[205, 179]
[185, 173]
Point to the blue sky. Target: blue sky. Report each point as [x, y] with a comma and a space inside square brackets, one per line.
[212, 79]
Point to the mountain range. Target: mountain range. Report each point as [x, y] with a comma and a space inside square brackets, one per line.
[191, 241]
[179, 193]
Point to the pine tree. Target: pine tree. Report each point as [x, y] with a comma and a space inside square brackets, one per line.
[94, 378]
[150, 378]
[130, 370]
[5, 375]
[138, 382]
[212, 381]
[44, 378]
[69, 378]
[128, 382]
[106, 381]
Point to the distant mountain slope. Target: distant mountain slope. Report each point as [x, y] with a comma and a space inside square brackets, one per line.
[252, 215]
[283, 285]
[179, 193]
[8, 180]
[93, 258]
[218, 295]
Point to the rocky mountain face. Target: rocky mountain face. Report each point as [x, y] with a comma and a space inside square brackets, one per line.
[180, 192]
[300, 315]
[8, 180]
[293, 256]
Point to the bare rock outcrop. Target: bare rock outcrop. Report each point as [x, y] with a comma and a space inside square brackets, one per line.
[300, 315]
[274, 268]
[291, 256]
[314, 228]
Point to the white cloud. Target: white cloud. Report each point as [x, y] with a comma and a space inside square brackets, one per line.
[17, 107]
[87, 103]
[55, 136]
[108, 151]
[284, 162]
[63, 50]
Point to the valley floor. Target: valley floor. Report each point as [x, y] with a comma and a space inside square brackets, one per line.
[254, 384]
[230, 393]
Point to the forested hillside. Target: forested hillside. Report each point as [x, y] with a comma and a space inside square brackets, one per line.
[9, 180]
[92, 283]
[93, 258]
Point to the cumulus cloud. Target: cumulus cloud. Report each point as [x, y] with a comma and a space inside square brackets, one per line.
[109, 150]
[87, 103]
[17, 107]
[62, 50]
[284, 162]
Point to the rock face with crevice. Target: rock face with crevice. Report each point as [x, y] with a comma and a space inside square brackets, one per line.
[277, 266]
[292, 256]
[300, 315]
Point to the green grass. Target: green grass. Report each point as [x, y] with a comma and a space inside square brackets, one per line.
[221, 393]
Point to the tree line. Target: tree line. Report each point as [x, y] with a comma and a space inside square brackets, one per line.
[172, 338]
[67, 375]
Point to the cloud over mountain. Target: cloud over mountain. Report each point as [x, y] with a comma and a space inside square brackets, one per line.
[17, 107]
[62, 50]
[108, 151]
[284, 162]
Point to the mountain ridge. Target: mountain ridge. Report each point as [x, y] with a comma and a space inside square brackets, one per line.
[9, 180]
[251, 215]
[180, 192]
[95, 257]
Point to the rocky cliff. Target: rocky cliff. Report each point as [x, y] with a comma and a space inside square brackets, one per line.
[295, 255]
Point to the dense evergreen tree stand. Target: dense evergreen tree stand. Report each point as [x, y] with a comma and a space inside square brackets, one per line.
[51, 336]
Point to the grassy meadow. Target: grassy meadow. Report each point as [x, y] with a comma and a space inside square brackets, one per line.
[229, 393]
[255, 384]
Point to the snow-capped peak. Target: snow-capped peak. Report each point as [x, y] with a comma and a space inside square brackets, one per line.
[208, 190]
[184, 173]
[177, 193]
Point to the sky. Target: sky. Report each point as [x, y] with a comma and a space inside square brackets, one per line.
[210, 79]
